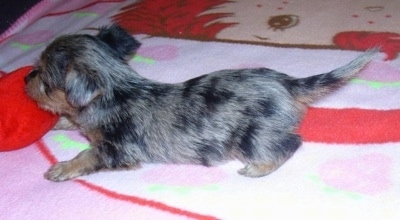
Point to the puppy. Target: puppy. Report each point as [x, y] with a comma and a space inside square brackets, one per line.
[251, 114]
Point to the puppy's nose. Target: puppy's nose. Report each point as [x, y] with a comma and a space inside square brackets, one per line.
[31, 75]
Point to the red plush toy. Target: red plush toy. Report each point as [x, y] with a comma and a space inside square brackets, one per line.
[22, 122]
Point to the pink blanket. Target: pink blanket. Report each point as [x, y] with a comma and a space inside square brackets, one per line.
[347, 168]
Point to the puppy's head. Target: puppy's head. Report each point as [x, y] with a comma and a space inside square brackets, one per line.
[74, 70]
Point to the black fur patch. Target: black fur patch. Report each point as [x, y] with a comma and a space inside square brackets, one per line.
[214, 96]
[187, 122]
[246, 144]
[121, 96]
[208, 153]
[122, 132]
[291, 142]
[267, 107]
[109, 155]
[188, 85]
[119, 40]
[290, 86]
[262, 108]
[287, 145]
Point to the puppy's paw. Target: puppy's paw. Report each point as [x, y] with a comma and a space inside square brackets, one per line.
[61, 172]
[257, 170]
[65, 124]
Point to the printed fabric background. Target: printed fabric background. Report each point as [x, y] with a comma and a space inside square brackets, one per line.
[347, 168]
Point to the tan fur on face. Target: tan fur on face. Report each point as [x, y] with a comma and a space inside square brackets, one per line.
[55, 101]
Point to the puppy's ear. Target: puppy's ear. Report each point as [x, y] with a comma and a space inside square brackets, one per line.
[81, 88]
[119, 40]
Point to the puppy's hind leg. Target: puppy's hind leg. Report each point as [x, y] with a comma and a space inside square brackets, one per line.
[258, 169]
[268, 159]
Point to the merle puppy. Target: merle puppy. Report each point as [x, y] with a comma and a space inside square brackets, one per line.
[249, 114]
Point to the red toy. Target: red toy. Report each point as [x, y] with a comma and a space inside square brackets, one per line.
[22, 122]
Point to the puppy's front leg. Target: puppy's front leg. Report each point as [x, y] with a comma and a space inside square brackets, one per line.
[65, 124]
[84, 163]
[103, 156]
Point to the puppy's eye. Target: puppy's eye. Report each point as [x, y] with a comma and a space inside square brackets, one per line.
[44, 87]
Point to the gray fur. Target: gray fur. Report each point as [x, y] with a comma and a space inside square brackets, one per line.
[250, 114]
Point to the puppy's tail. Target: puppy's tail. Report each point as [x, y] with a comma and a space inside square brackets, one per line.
[311, 88]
